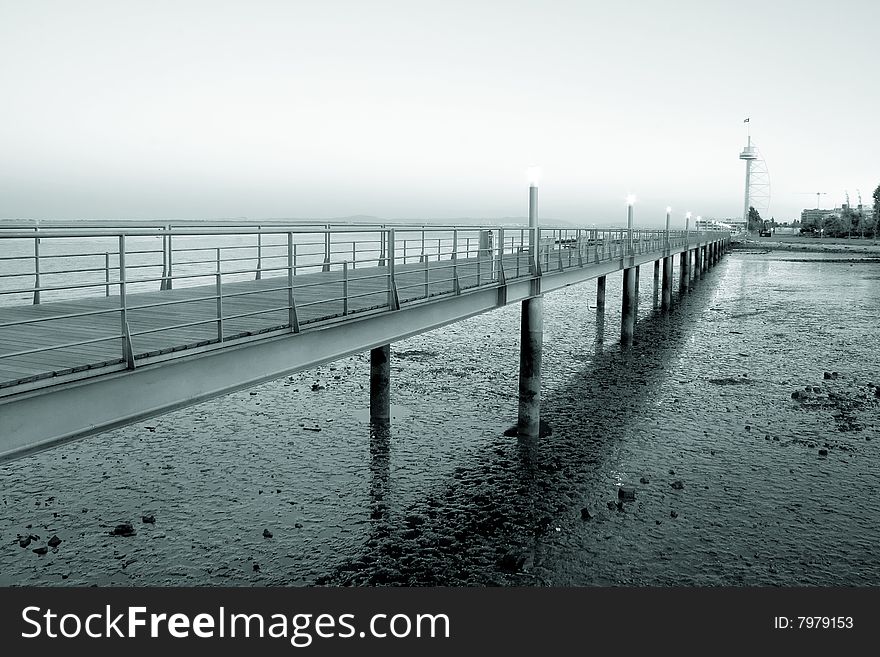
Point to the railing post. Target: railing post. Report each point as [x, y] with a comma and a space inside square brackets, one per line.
[37, 283]
[291, 271]
[326, 266]
[456, 287]
[107, 274]
[345, 287]
[382, 238]
[127, 351]
[424, 255]
[219, 294]
[353, 254]
[427, 280]
[501, 276]
[259, 273]
[393, 303]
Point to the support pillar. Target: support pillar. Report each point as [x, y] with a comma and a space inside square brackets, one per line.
[627, 314]
[380, 384]
[666, 303]
[701, 262]
[684, 279]
[531, 341]
[656, 275]
[636, 294]
[600, 294]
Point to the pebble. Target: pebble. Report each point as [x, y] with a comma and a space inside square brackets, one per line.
[267, 533]
[125, 529]
[678, 484]
[54, 541]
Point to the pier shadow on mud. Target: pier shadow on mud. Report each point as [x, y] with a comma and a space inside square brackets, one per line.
[485, 526]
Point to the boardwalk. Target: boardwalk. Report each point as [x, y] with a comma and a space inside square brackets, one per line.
[211, 326]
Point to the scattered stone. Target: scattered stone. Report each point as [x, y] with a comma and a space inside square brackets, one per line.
[672, 472]
[585, 514]
[149, 520]
[834, 375]
[626, 493]
[611, 505]
[826, 375]
[54, 541]
[297, 525]
[644, 480]
[256, 567]
[267, 533]
[748, 427]
[41, 550]
[25, 541]
[817, 389]
[673, 514]
[253, 393]
[677, 484]
[317, 386]
[823, 452]
[125, 529]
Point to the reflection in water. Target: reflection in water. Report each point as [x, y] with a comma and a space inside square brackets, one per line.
[380, 467]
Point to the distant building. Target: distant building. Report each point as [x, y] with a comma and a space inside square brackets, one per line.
[729, 224]
[816, 216]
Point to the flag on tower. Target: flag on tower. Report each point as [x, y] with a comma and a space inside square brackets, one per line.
[746, 121]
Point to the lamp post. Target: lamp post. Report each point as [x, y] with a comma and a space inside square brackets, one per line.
[687, 223]
[534, 176]
[668, 215]
[630, 201]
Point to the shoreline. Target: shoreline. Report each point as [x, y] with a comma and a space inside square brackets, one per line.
[810, 245]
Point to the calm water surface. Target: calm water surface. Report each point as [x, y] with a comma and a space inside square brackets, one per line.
[697, 419]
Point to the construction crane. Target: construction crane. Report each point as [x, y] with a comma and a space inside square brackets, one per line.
[818, 194]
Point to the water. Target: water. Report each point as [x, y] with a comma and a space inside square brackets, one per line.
[703, 398]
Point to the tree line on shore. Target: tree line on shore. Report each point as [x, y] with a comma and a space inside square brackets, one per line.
[847, 222]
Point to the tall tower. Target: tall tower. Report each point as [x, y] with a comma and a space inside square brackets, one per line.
[749, 155]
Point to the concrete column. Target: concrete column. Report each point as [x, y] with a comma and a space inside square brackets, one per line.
[627, 314]
[600, 294]
[656, 288]
[667, 283]
[380, 384]
[636, 294]
[531, 341]
[684, 280]
[701, 262]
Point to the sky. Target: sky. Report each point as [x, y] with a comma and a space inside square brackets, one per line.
[411, 110]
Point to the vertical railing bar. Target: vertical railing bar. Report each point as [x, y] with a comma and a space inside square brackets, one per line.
[291, 272]
[107, 274]
[326, 266]
[37, 283]
[219, 295]
[345, 288]
[127, 351]
[259, 274]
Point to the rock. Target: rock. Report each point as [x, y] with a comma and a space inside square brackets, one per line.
[823, 452]
[125, 529]
[41, 550]
[626, 493]
[585, 514]
[748, 427]
[267, 533]
[673, 514]
[826, 375]
[25, 541]
[149, 520]
[544, 430]
[677, 484]
[297, 525]
[256, 567]
[796, 394]
[54, 541]
[611, 505]
[317, 386]
[644, 480]
[817, 389]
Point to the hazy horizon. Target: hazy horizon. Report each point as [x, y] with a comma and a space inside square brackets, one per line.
[432, 111]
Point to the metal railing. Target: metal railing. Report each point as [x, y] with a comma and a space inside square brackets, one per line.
[94, 300]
